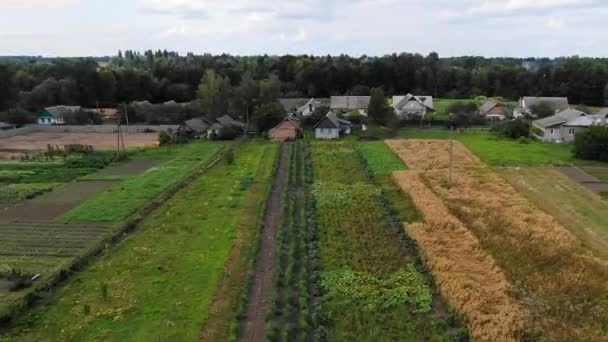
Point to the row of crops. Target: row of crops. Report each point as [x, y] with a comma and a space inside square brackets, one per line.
[41, 250]
[291, 313]
[371, 285]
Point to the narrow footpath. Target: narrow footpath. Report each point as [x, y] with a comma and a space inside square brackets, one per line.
[253, 327]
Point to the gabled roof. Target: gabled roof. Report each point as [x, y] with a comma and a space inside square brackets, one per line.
[227, 121]
[559, 118]
[486, 107]
[334, 119]
[300, 103]
[556, 103]
[349, 102]
[588, 120]
[400, 100]
[59, 111]
[288, 122]
[198, 125]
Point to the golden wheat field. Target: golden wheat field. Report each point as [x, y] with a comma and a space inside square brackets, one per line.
[556, 289]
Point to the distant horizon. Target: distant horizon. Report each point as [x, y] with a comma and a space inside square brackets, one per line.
[182, 54]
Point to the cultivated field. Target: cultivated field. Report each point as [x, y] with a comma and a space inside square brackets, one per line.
[38, 141]
[556, 289]
[159, 283]
[53, 249]
[370, 286]
[577, 208]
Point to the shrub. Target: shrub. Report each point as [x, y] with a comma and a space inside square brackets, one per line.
[165, 138]
[515, 129]
[592, 143]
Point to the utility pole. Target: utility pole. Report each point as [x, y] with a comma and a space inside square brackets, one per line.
[451, 154]
[126, 115]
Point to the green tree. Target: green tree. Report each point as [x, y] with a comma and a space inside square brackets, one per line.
[592, 143]
[268, 115]
[270, 89]
[379, 111]
[213, 92]
[542, 110]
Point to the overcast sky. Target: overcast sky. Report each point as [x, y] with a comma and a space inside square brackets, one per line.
[518, 28]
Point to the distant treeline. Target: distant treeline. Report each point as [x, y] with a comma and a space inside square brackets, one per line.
[30, 83]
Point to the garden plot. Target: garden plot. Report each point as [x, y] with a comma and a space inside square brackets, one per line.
[52, 205]
[41, 248]
[158, 283]
[560, 285]
[370, 288]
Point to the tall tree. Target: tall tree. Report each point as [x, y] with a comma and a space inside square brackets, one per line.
[379, 110]
[214, 91]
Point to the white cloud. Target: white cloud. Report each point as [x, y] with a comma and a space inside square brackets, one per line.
[36, 4]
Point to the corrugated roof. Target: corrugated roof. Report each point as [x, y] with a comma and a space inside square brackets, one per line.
[559, 118]
[199, 125]
[486, 107]
[588, 120]
[227, 121]
[59, 111]
[349, 102]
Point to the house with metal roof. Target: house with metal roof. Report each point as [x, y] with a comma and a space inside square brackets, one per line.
[331, 127]
[563, 126]
[56, 115]
[408, 106]
[347, 104]
[302, 107]
[492, 111]
[527, 104]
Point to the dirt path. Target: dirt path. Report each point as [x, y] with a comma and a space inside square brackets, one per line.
[253, 327]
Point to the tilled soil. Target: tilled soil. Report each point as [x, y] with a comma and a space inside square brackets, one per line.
[253, 327]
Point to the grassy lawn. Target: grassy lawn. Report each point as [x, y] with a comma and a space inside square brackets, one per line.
[157, 284]
[362, 261]
[579, 210]
[497, 151]
[122, 200]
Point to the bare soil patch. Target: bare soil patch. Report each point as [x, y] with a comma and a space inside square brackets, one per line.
[38, 141]
[582, 177]
[253, 327]
[51, 205]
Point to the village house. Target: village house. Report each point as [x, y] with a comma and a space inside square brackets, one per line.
[223, 123]
[527, 104]
[408, 106]
[55, 115]
[348, 104]
[194, 128]
[302, 107]
[288, 129]
[331, 127]
[563, 126]
[492, 111]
